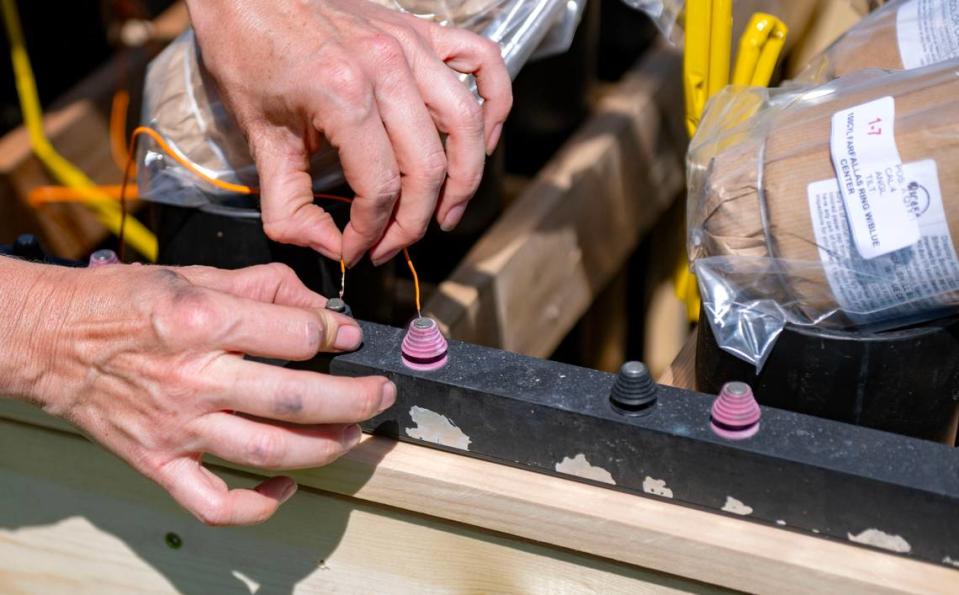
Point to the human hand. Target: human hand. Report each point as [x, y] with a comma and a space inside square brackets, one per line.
[379, 86]
[147, 361]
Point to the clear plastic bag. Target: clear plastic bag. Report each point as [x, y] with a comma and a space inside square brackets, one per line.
[664, 13]
[773, 238]
[901, 35]
[182, 104]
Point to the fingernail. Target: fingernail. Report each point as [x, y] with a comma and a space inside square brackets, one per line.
[385, 258]
[494, 139]
[351, 436]
[288, 492]
[352, 262]
[453, 218]
[389, 397]
[348, 338]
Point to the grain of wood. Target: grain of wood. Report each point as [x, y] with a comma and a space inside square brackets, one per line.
[537, 270]
[75, 519]
[638, 531]
[682, 372]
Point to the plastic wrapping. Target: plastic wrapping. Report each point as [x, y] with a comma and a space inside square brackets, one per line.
[901, 35]
[775, 240]
[182, 104]
[664, 13]
[667, 14]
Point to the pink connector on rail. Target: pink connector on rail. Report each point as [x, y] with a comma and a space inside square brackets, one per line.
[735, 414]
[424, 347]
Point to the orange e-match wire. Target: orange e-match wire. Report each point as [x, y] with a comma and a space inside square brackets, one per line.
[140, 131]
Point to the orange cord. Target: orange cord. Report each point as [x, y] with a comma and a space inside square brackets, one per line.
[229, 187]
[118, 128]
[42, 195]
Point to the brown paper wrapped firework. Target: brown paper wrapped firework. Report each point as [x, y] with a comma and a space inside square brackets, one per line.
[771, 245]
[901, 35]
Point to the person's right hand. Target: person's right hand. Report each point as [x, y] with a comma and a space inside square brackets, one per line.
[380, 87]
[148, 362]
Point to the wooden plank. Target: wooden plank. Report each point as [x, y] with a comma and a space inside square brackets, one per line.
[682, 372]
[78, 126]
[639, 531]
[604, 328]
[75, 519]
[536, 271]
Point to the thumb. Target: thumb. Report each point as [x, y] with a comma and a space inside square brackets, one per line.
[286, 197]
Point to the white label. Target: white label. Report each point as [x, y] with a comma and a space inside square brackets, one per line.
[927, 32]
[867, 163]
[917, 279]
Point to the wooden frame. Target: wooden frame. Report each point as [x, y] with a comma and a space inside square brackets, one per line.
[78, 125]
[537, 270]
[658, 542]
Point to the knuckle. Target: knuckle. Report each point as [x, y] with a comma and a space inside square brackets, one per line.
[327, 451]
[266, 450]
[490, 49]
[213, 513]
[188, 313]
[387, 189]
[469, 111]
[468, 179]
[384, 47]
[507, 101]
[366, 401]
[411, 232]
[316, 336]
[280, 271]
[408, 37]
[350, 84]
[279, 231]
[434, 167]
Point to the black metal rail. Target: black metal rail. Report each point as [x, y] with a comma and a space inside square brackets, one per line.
[798, 472]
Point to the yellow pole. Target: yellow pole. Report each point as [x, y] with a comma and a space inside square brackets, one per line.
[107, 210]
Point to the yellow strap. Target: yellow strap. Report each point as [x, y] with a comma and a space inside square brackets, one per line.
[107, 211]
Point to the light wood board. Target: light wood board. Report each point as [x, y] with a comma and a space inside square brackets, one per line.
[75, 519]
[638, 531]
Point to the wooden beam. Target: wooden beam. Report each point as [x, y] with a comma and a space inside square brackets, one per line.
[638, 531]
[78, 126]
[74, 518]
[536, 271]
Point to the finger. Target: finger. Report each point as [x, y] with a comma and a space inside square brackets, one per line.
[286, 195]
[284, 332]
[209, 499]
[458, 114]
[419, 152]
[469, 53]
[267, 446]
[272, 283]
[298, 396]
[196, 317]
[352, 123]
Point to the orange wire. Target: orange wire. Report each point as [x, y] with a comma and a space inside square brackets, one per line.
[229, 187]
[42, 195]
[118, 125]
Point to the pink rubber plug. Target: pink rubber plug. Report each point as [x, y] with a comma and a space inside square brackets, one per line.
[103, 257]
[735, 413]
[424, 346]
